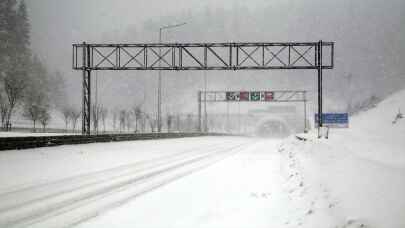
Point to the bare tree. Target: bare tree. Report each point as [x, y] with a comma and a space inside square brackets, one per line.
[115, 117]
[178, 122]
[14, 85]
[143, 122]
[67, 113]
[44, 118]
[122, 119]
[3, 109]
[169, 121]
[95, 114]
[75, 115]
[128, 121]
[33, 113]
[189, 122]
[137, 112]
[151, 121]
[103, 116]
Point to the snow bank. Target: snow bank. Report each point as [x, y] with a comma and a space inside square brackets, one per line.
[359, 171]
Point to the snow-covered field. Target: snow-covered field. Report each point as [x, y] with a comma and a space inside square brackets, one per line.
[356, 178]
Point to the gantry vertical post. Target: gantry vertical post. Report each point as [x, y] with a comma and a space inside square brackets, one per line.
[319, 55]
[159, 111]
[86, 90]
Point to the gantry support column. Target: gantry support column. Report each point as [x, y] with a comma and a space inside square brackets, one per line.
[319, 61]
[86, 91]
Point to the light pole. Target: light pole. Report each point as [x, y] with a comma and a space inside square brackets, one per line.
[159, 114]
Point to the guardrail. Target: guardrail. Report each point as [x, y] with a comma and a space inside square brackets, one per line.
[17, 143]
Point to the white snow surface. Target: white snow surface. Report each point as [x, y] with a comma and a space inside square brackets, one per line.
[356, 178]
[360, 170]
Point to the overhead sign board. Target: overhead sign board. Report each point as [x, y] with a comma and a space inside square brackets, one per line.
[334, 120]
[253, 96]
[268, 96]
[232, 96]
[244, 96]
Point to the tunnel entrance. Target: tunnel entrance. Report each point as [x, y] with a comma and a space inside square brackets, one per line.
[252, 117]
[273, 128]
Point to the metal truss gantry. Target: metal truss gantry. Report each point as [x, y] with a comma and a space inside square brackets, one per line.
[277, 96]
[200, 56]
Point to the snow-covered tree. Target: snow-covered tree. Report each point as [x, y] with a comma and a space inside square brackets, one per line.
[36, 94]
[15, 54]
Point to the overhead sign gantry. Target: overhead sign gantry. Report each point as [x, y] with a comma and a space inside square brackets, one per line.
[200, 56]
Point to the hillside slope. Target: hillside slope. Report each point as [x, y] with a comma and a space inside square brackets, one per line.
[360, 171]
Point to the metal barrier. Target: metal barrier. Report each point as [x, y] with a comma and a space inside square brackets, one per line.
[17, 143]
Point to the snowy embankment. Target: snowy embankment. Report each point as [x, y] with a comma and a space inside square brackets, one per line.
[360, 171]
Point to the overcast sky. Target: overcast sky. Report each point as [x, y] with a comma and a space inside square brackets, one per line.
[369, 37]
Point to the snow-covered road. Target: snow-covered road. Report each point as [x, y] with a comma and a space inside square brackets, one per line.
[60, 199]
[192, 182]
[253, 188]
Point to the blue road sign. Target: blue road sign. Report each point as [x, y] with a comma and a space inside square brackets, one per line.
[334, 120]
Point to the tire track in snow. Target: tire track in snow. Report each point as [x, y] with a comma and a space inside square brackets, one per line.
[16, 199]
[45, 209]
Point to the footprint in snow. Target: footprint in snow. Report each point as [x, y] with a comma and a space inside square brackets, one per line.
[310, 212]
[352, 223]
[260, 195]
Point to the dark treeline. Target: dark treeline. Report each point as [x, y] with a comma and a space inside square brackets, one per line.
[26, 85]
